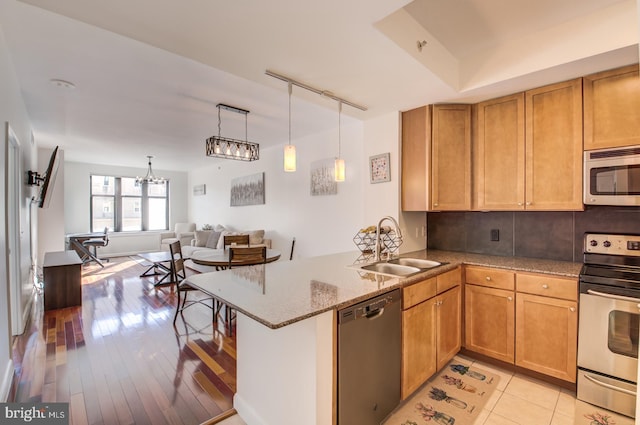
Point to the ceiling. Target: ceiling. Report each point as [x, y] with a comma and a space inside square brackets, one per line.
[149, 74]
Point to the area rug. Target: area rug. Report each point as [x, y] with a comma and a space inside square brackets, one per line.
[587, 414]
[456, 395]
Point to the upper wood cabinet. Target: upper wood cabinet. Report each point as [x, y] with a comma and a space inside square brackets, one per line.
[451, 160]
[499, 153]
[528, 150]
[416, 159]
[436, 158]
[553, 153]
[612, 108]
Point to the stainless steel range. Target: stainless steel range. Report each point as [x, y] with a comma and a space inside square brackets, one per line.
[608, 322]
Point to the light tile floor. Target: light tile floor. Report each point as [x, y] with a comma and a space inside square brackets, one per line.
[521, 400]
[518, 400]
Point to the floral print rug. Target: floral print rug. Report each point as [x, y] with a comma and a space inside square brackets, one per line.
[454, 396]
[587, 414]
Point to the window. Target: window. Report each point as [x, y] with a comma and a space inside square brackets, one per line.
[119, 204]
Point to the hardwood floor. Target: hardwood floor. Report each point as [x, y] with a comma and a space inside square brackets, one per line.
[119, 360]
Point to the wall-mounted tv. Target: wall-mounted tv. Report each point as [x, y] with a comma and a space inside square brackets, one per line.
[46, 181]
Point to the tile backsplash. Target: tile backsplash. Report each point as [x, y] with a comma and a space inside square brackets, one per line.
[553, 235]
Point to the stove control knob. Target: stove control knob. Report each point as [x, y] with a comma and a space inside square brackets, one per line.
[606, 244]
[593, 242]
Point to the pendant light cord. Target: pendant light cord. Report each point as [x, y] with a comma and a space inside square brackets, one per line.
[339, 126]
[290, 91]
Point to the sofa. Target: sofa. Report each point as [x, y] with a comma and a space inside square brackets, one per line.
[183, 232]
[214, 239]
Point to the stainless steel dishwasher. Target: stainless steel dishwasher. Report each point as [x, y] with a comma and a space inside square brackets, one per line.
[369, 356]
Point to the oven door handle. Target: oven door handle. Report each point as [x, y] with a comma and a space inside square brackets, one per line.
[614, 297]
[609, 386]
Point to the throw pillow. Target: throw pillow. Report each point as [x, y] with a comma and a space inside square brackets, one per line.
[212, 241]
[256, 237]
[222, 235]
[201, 237]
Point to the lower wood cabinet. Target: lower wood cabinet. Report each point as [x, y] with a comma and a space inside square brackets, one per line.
[431, 328]
[418, 346]
[489, 322]
[547, 327]
[448, 325]
[533, 324]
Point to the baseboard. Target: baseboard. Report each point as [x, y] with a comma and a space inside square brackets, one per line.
[7, 381]
[221, 417]
[246, 412]
[26, 313]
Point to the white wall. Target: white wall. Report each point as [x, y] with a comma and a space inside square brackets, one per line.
[12, 110]
[320, 224]
[383, 134]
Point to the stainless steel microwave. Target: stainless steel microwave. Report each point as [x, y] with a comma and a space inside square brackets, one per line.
[612, 176]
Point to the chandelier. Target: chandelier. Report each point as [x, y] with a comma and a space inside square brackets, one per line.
[222, 147]
[150, 178]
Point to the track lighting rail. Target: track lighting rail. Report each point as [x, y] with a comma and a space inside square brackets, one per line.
[323, 93]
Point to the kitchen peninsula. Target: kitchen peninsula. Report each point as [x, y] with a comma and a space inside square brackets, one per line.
[286, 325]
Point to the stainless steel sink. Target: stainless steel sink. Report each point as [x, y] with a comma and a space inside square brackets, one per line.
[391, 269]
[416, 262]
[400, 267]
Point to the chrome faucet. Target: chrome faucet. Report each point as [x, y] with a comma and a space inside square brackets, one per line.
[396, 229]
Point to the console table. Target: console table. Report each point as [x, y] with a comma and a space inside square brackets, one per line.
[62, 272]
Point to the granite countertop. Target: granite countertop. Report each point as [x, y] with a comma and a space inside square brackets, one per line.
[284, 292]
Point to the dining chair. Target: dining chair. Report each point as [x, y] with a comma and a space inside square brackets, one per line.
[93, 244]
[242, 256]
[235, 239]
[178, 275]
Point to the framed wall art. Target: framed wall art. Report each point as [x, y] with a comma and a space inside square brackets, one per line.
[247, 190]
[323, 180]
[379, 168]
[199, 190]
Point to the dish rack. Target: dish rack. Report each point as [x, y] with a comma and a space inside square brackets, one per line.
[365, 240]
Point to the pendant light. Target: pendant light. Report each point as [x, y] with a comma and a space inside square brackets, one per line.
[339, 163]
[223, 147]
[290, 150]
[150, 178]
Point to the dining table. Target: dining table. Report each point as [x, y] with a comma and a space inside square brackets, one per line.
[219, 258]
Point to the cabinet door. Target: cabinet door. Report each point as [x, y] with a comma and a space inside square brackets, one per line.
[554, 147]
[489, 322]
[547, 335]
[418, 346]
[448, 319]
[612, 108]
[451, 160]
[499, 154]
[416, 158]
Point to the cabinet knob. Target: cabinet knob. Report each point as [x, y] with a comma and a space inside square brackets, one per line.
[545, 286]
[488, 278]
[572, 309]
[528, 203]
[509, 298]
[519, 204]
[435, 204]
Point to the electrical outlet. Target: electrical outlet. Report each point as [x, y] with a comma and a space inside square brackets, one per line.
[495, 235]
